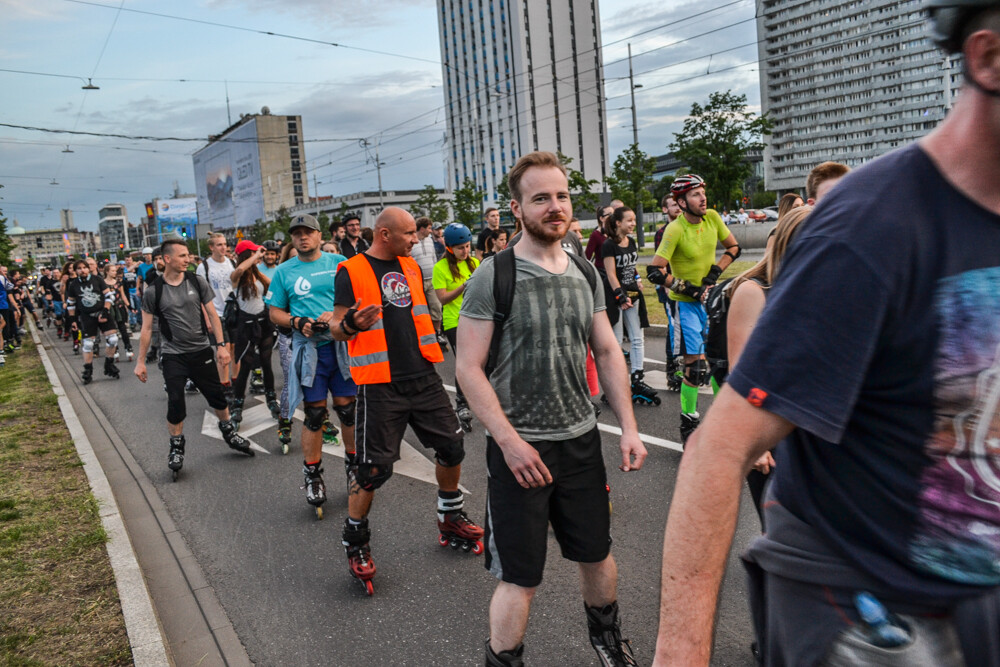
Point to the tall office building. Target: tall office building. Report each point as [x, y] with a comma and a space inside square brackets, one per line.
[113, 226]
[846, 81]
[251, 170]
[521, 75]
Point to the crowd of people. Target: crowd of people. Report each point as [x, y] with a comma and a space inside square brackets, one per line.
[854, 370]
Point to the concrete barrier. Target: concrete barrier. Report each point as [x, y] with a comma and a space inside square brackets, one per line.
[752, 235]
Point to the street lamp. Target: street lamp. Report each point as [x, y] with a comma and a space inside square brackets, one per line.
[90, 85]
[641, 237]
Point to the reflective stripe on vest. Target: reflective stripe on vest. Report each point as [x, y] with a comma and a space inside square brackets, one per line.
[369, 350]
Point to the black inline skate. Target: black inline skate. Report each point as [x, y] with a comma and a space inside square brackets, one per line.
[606, 637]
[110, 369]
[284, 434]
[88, 373]
[356, 537]
[190, 387]
[689, 422]
[256, 382]
[675, 375]
[314, 486]
[233, 439]
[642, 392]
[511, 658]
[464, 414]
[175, 459]
[272, 405]
[236, 412]
[457, 530]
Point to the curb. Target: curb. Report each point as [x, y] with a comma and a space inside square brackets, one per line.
[141, 624]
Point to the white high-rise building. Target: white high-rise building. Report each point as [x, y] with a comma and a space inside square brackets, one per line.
[846, 81]
[521, 75]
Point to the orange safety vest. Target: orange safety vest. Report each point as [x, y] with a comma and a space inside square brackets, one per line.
[369, 350]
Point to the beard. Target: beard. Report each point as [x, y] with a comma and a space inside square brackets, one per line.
[542, 231]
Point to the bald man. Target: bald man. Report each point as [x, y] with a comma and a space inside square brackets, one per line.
[380, 309]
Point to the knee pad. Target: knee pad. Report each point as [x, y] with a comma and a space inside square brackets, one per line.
[371, 476]
[113, 340]
[345, 413]
[88, 345]
[697, 372]
[315, 416]
[451, 454]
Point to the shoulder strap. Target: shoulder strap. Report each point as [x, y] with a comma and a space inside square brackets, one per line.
[504, 278]
[587, 268]
[191, 277]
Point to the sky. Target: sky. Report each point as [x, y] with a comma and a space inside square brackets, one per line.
[352, 69]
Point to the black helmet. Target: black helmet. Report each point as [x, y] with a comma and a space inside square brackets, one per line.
[949, 17]
[271, 245]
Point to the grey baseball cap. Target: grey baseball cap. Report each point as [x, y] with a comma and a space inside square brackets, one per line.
[304, 220]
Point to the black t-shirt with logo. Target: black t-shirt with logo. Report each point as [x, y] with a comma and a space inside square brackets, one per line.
[405, 360]
[87, 293]
[348, 251]
[625, 261]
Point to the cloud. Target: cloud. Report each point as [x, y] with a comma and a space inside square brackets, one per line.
[366, 13]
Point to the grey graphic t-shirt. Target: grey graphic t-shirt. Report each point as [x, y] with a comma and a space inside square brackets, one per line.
[541, 375]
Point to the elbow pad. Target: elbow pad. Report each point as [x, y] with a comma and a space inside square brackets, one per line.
[734, 256]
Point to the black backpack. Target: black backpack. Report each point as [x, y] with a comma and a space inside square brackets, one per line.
[504, 278]
[716, 342]
[157, 285]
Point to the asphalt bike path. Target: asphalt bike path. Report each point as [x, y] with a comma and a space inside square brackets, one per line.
[267, 574]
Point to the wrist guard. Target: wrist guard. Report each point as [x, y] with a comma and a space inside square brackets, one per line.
[301, 322]
[687, 289]
[656, 274]
[713, 275]
[349, 319]
[620, 297]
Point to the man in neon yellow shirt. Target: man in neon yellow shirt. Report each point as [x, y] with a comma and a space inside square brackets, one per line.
[688, 248]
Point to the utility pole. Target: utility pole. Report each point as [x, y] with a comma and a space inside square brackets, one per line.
[378, 170]
[641, 236]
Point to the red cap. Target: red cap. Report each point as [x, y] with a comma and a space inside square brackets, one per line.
[246, 245]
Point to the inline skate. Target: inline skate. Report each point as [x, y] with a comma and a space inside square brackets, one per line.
[233, 439]
[642, 392]
[175, 459]
[284, 434]
[314, 486]
[457, 530]
[356, 537]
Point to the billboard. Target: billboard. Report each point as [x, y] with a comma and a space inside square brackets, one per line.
[177, 215]
[227, 176]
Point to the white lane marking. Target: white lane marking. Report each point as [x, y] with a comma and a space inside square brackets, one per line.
[648, 439]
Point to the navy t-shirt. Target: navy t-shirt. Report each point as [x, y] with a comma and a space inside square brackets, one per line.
[880, 341]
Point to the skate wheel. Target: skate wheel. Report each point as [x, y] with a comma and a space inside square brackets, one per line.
[656, 400]
[319, 513]
[284, 448]
[466, 547]
[442, 540]
[453, 544]
[369, 588]
[174, 474]
[477, 547]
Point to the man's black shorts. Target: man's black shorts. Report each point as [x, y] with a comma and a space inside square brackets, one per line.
[201, 369]
[384, 411]
[576, 504]
[90, 324]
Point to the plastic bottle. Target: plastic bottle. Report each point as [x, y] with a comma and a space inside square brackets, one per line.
[882, 628]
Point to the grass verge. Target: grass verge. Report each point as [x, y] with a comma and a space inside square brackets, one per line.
[655, 309]
[58, 601]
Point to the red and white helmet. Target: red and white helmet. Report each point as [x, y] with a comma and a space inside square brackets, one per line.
[684, 184]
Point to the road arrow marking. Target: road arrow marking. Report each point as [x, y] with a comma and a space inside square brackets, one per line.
[210, 427]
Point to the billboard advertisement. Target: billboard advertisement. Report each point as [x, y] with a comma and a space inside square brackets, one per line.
[227, 176]
[177, 215]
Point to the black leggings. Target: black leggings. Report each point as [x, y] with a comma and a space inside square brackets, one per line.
[452, 336]
[246, 359]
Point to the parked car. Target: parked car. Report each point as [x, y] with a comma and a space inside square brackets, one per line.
[771, 212]
[757, 215]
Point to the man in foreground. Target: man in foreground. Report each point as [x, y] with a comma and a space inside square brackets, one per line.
[544, 454]
[883, 514]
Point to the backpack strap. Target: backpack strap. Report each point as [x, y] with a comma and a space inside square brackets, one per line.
[193, 279]
[504, 278]
[587, 268]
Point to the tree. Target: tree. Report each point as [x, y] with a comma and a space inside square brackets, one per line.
[503, 201]
[631, 176]
[6, 244]
[344, 210]
[324, 222]
[467, 204]
[431, 205]
[579, 187]
[715, 141]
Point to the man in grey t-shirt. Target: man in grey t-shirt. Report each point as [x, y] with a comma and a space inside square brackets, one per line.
[544, 451]
[182, 303]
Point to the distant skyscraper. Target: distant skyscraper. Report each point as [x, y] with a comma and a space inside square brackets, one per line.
[846, 81]
[521, 75]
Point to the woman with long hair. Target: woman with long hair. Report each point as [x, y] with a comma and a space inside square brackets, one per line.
[495, 243]
[450, 275]
[747, 295]
[621, 255]
[788, 202]
[253, 333]
[113, 279]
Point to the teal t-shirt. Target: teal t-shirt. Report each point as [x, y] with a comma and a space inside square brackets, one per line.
[267, 271]
[305, 289]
